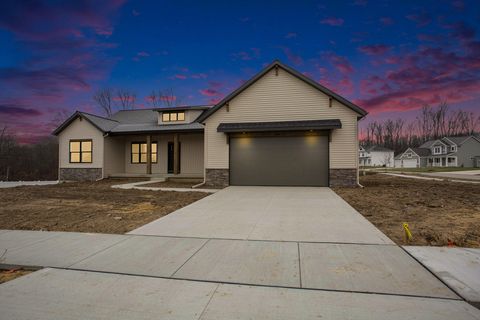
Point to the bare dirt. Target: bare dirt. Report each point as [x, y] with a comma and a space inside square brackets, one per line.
[438, 213]
[7, 275]
[172, 184]
[87, 207]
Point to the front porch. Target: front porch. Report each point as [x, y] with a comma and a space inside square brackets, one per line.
[442, 161]
[171, 155]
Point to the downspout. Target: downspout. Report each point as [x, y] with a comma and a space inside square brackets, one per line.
[204, 161]
[358, 165]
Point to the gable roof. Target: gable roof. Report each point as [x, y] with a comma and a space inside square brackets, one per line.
[134, 121]
[422, 152]
[278, 64]
[101, 123]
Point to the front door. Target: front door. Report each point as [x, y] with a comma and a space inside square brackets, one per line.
[170, 157]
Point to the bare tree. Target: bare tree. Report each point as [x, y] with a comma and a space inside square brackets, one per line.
[126, 99]
[164, 97]
[103, 98]
[431, 123]
[153, 100]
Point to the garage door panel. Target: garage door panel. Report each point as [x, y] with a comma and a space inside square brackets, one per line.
[287, 161]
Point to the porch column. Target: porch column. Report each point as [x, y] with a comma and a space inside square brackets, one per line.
[176, 154]
[149, 154]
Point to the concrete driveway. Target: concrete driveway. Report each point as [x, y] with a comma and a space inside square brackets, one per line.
[269, 213]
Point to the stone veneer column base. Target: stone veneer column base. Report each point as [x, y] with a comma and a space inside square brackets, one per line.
[343, 178]
[217, 178]
[80, 174]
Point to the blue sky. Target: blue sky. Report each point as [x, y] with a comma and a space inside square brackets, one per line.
[389, 57]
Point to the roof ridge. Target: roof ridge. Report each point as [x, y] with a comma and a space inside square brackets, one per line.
[94, 115]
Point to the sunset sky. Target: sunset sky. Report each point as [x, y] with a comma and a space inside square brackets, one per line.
[389, 57]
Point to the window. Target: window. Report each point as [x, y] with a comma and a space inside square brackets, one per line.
[139, 152]
[409, 155]
[453, 148]
[81, 151]
[173, 116]
[437, 150]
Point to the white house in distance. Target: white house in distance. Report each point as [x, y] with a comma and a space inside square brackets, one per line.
[463, 151]
[376, 156]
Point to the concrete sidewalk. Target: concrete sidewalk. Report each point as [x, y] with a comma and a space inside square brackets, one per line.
[278, 264]
[65, 294]
[458, 267]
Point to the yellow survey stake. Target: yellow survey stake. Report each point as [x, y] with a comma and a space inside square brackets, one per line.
[408, 234]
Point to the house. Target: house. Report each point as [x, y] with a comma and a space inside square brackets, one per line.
[376, 156]
[445, 152]
[279, 128]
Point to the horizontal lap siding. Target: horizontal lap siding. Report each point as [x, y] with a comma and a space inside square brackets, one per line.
[80, 130]
[283, 98]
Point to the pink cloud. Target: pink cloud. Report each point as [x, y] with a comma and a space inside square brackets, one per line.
[387, 21]
[341, 63]
[292, 57]
[209, 92]
[375, 49]
[180, 76]
[427, 76]
[199, 76]
[252, 53]
[422, 19]
[335, 22]
[291, 35]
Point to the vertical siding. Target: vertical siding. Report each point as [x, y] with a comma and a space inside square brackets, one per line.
[80, 129]
[467, 151]
[114, 160]
[284, 98]
[191, 159]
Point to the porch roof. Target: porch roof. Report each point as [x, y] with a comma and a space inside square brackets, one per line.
[280, 126]
[136, 128]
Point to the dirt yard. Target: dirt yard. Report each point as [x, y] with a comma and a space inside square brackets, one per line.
[87, 207]
[438, 213]
[172, 184]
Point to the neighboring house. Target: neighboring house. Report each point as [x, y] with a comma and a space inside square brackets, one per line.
[445, 152]
[376, 156]
[278, 128]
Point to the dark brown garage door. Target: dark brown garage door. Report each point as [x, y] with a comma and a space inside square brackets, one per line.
[279, 161]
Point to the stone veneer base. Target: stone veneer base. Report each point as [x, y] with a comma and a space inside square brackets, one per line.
[80, 174]
[217, 178]
[343, 178]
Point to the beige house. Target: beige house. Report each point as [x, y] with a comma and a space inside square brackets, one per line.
[279, 128]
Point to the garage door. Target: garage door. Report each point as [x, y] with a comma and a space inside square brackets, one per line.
[279, 161]
[409, 163]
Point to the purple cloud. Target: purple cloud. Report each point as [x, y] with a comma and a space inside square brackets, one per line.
[422, 19]
[387, 21]
[11, 110]
[332, 21]
[294, 58]
[375, 49]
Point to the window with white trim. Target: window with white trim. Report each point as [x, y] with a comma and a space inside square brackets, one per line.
[437, 150]
[453, 148]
